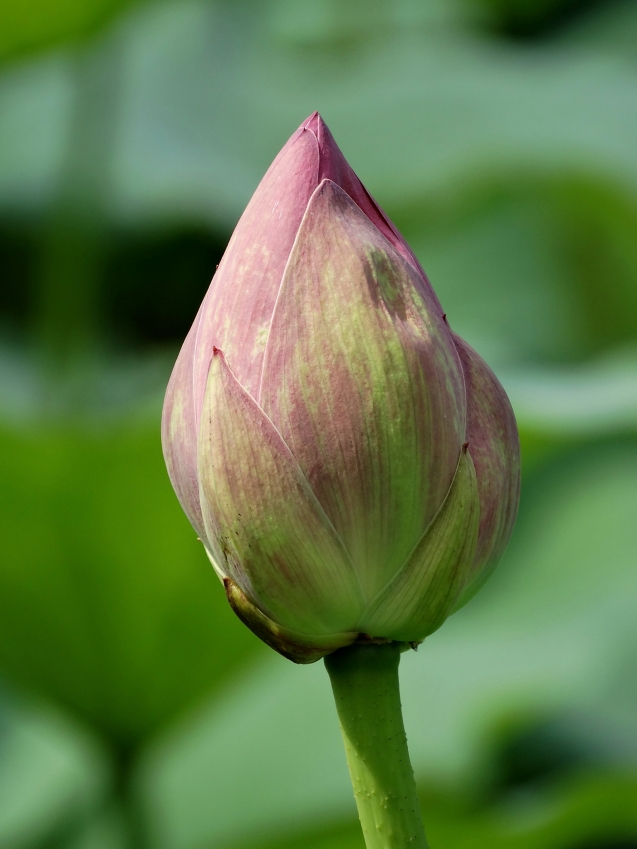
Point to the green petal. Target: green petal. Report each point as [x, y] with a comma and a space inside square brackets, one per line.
[420, 597]
[268, 531]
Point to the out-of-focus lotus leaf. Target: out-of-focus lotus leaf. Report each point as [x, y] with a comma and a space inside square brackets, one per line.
[35, 105]
[591, 400]
[107, 601]
[544, 634]
[591, 809]
[484, 160]
[611, 27]
[438, 108]
[30, 25]
[532, 270]
[440, 102]
[586, 810]
[525, 18]
[107, 830]
[53, 775]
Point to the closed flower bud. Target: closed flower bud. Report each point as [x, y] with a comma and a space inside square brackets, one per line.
[350, 464]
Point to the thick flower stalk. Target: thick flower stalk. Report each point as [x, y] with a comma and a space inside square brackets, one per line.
[349, 463]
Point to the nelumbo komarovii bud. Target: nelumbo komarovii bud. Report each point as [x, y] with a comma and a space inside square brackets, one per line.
[350, 464]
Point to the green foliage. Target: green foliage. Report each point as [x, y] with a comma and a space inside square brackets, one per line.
[30, 25]
[52, 774]
[527, 19]
[533, 268]
[588, 808]
[107, 601]
[553, 633]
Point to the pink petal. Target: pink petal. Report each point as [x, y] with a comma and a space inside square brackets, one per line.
[179, 433]
[333, 166]
[493, 440]
[237, 310]
[268, 531]
[363, 381]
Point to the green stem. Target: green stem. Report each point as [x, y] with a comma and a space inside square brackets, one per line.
[365, 684]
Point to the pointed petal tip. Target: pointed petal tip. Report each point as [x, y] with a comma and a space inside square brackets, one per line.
[216, 361]
[332, 190]
[239, 304]
[218, 358]
[313, 122]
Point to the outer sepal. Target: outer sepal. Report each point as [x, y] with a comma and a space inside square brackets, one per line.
[301, 648]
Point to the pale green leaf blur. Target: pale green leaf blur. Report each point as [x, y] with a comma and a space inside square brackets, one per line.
[136, 712]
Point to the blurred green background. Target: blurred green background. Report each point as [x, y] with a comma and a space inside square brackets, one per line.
[501, 135]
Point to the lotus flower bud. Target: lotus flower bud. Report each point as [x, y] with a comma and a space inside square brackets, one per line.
[350, 464]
